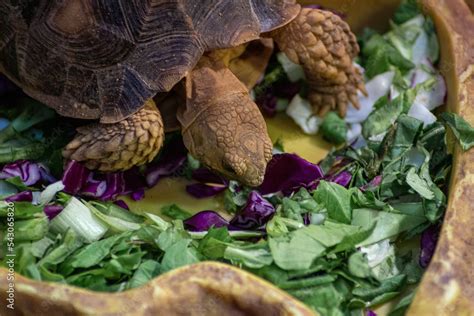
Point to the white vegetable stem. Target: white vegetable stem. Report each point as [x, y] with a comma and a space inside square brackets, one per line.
[48, 194]
[420, 112]
[433, 97]
[376, 88]
[353, 132]
[294, 71]
[301, 112]
[79, 218]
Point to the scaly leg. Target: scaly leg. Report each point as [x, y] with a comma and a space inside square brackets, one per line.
[222, 126]
[324, 45]
[133, 141]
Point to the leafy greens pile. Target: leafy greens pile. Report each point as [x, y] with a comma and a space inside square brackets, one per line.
[333, 235]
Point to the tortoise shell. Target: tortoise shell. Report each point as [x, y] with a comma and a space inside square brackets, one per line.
[102, 59]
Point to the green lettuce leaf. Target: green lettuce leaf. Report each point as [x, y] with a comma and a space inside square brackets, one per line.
[249, 255]
[406, 11]
[295, 251]
[173, 211]
[179, 254]
[336, 199]
[147, 270]
[387, 224]
[462, 130]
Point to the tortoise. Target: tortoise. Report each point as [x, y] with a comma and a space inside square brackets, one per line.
[105, 60]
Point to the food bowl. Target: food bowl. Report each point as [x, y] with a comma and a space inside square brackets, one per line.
[217, 289]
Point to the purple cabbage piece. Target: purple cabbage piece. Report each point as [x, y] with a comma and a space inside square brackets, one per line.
[52, 211]
[171, 161]
[342, 178]
[286, 90]
[119, 183]
[134, 180]
[122, 204]
[202, 190]
[336, 174]
[93, 188]
[287, 173]
[78, 179]
[209, 184]
[267, 104]
[30, 173]
[25, 196]
[371, 313]
[429, 239]
[75, 177]
[256, 213]
[306, 219]
[138, 194]
[204, 220]
[115, 184]
[205, 175]
[338, 164]
[375, 182]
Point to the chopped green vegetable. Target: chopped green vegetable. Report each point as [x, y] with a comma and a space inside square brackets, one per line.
[32, 114]
[419, 185]
[387, 224]
[336, 199]
[380, 120]
[253, 256]
[30, 229]
[179, 254]
[93, 253]
[173, 211]
[381, 56]
[462, 130]
[113, 223]
[147, 270]
[407, 10]
[334, 128]
[295, 251]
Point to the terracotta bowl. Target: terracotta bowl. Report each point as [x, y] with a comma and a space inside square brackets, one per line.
[216, 289]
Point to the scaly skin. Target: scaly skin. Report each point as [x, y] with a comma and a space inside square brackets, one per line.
[222, 126]
[119, 146]
[325, 46]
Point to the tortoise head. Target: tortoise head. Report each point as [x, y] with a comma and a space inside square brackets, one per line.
[238, 151]
[247, 159]
[222, 126]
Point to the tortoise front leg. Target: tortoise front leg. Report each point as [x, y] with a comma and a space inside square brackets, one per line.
[324, 45]
[133, 141]
[222, 126]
